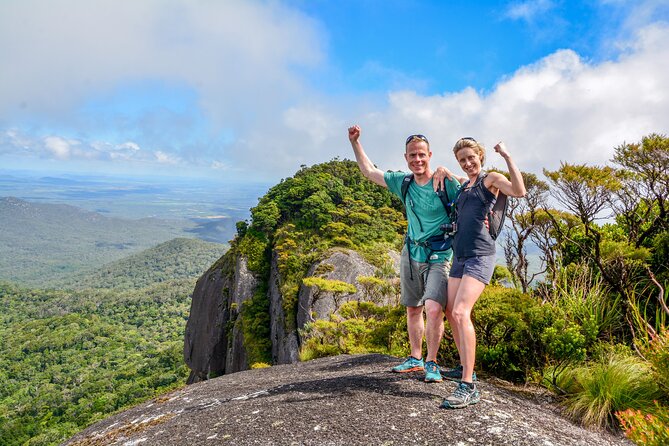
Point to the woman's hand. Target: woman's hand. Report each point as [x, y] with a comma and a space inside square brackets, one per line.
[438, 178]
[500, 148]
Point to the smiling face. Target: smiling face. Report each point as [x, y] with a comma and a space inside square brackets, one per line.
[418, 157]
[470, 161]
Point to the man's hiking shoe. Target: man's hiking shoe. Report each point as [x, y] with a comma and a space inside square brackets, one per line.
[411, 364]
[432, 374]
[455, 374]
[462, 396]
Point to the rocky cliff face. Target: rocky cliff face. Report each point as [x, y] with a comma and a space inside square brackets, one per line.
[214, 342]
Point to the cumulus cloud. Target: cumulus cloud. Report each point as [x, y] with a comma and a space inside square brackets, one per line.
[561, 108]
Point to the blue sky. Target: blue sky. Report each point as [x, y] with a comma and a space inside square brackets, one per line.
[251, 90]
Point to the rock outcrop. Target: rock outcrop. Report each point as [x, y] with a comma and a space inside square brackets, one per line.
[342, 400]
[214, 342]
[343, 265]
[285, 341]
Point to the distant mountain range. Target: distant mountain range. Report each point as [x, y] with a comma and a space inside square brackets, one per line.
[46, 244]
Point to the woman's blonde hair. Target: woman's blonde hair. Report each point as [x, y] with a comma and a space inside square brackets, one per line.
[466, 142]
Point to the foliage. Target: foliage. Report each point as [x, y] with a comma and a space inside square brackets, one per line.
[180, 258]
[69, 358]
[649, 429]
[508, 325]
[363, 327]
[657, 353]
[615, 381]
[322, 285]
[256, 327]
[501, 276]
[642, 206]
[580, 297]
[320, 207]
[374, 289]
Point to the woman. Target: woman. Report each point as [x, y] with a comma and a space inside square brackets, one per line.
[473, 257]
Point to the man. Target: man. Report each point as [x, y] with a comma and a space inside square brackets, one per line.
[423, 271]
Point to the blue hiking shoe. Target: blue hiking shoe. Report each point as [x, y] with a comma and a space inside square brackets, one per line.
[455, 374]
[432, 374]
[462, 396]
[411, 364]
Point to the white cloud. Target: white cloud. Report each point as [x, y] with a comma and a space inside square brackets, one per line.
[219, 165]
[562, 108]
[528, 10]
[166, 158]
[232, 53]
[58, 147]
[245, 61]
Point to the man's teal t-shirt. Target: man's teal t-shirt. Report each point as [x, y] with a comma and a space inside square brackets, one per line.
[425, 213]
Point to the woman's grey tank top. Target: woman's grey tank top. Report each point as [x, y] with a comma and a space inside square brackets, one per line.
[472, 238]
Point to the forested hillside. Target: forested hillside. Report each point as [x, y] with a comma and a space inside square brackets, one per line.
[68, 358]
[180, 258]
[43, 243]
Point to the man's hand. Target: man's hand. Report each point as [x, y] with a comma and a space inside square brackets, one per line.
[438, 178]
[354, 133]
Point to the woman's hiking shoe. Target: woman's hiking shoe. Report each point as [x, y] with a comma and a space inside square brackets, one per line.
[432, 374]
[455, 374]
[411, 364]
[462, 396]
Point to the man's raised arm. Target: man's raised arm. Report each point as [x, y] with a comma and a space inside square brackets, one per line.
[368, 169]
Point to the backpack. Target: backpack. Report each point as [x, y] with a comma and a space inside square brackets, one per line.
[498, 206]
[441, 193]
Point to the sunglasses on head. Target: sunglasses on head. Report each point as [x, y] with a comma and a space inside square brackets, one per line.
[469, 138]
[418, 136]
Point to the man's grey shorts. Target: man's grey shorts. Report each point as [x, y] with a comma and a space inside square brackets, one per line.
[429, 281]
[479, 267]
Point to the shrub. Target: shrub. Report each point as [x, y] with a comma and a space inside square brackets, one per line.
[508, 324]
[657, 353]
[650, 429]
[362, 327]
[580, 297]
[565, 346]
[615, 382]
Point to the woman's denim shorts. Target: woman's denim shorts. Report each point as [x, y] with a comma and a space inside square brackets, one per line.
[479, 267]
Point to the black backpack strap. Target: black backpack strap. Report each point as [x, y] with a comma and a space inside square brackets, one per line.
[497, 207]
[408, 178]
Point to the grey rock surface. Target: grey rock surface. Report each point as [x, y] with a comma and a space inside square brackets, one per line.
[345, 265]
[213, 340]
[205, 340]
[343, 400]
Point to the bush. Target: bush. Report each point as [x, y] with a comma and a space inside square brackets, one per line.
[362, 327]
[508, 324]
[657, 353]
[650, 429]
[615, 382]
